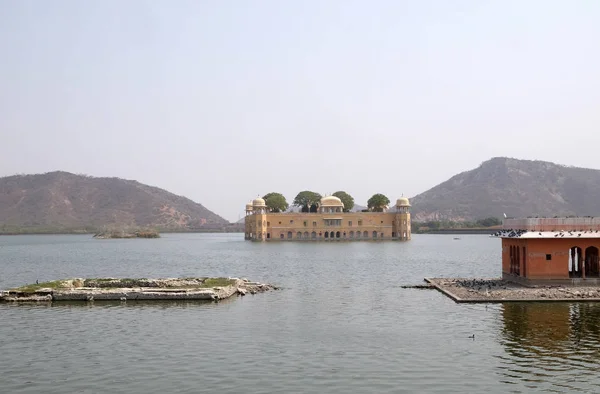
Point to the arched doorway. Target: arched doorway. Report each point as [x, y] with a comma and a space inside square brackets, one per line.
[351, 234]
[337, 235]
[280, 236]
[299, 235]
[374, 234]
[306, 235]
[331, 234]
[592, 266]
[366, 234]
[313, 235]
[575, 262]
[326, 234]
[289, 235]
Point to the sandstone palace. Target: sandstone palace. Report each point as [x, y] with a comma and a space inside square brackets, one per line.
[328, 222]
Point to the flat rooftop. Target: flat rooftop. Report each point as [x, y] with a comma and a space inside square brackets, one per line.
[526, 234]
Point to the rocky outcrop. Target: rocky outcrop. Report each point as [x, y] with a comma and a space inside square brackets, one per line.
[80, 289]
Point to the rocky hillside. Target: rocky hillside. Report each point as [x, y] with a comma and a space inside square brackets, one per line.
[519, 188]
[60, 201]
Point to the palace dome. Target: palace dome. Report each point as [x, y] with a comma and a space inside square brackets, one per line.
[331, 201]
[402, 202]
[258, 202]
[249, 206]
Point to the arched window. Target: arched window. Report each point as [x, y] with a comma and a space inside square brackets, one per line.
[358, 234]
[366, 234]
[289, 235]
[299, 235]
[351, 234]
[331, 235]
[374, 234]
[326, 234]
[280, 236]
[337, 235]
[306, 234]
[313, 235]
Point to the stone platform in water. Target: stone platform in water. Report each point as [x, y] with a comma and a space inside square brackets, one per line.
[113, 289]
[498, 290]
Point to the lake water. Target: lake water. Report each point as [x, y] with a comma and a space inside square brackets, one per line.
[341, 323]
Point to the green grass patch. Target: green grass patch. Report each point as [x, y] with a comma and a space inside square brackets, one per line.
[218, 282]
[32, 288]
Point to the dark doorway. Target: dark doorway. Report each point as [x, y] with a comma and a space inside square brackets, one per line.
[592, 268]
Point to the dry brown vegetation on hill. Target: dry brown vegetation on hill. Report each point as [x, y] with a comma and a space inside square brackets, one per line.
[519, 188]
[61, 201]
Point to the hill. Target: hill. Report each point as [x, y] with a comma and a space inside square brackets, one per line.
[61, 201]
[519, 188]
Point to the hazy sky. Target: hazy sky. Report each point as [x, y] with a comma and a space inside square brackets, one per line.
[223, 100]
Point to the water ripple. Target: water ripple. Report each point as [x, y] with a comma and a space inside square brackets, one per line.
[342, 323]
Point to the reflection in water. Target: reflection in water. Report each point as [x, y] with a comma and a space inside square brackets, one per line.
[551, 346]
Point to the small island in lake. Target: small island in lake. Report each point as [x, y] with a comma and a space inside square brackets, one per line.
[114, 289]
[117, 234]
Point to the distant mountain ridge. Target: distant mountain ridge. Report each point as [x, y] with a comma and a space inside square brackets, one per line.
[60, 200]
[519, 188]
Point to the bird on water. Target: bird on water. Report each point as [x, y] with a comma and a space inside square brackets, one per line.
[472, 336]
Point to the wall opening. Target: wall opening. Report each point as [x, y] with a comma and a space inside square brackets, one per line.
[575, 262]
[518, 262]
[524, 262]
[337, 235]
[592, 266]
[289, 235]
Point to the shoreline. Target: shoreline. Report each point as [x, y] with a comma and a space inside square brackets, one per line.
[113, 289]
[497, 290]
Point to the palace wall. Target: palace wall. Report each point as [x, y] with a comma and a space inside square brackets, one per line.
[546, 259]
[321, 226]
